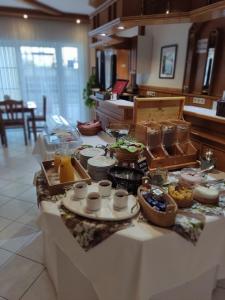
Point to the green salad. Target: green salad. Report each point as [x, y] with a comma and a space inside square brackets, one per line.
[127, 144]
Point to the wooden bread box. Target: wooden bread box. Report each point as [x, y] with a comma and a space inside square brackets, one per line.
[159, 124]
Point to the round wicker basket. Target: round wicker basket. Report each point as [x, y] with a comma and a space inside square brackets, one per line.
[90, 128]
[122, 155]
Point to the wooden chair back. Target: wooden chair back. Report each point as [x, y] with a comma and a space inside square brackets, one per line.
[13, 110]
[44, 107]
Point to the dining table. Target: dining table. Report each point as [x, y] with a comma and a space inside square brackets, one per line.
[29, 107]
[139, 261]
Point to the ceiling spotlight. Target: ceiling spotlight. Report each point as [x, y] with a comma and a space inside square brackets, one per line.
[121, 27]
[102, 34]
[25, 16]
[78, 21]
[168, 7]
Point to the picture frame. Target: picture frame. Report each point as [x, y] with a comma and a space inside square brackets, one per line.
[168, 59]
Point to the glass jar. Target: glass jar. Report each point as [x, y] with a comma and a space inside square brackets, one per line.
[153, 138]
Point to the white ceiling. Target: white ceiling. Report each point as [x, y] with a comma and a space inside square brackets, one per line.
[68, 6]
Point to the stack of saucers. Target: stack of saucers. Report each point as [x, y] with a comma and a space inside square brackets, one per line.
[99, 166]
[87, 153]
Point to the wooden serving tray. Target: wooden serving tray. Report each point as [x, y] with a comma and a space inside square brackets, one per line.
[52, 177]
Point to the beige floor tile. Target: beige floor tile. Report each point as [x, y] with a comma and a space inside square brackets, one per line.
[30, 217]
[33, 249]
[15, 236]
[14, 189]
[4, 183]
[4, 223]
[14, 209]
[4, 199]
[17, 275]
[30, 195]
[4, 256]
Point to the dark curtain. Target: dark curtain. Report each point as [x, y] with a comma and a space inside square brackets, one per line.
[113, 69]
[102, 70]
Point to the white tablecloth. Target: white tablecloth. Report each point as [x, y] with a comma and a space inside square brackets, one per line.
[139, 263]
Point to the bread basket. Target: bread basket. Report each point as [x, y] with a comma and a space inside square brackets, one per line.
[159, 218]
[184, 199]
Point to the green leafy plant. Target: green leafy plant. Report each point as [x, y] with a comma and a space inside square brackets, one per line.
[87, 92]
[127, 144]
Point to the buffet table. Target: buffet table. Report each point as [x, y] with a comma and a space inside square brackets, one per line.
[141, 262]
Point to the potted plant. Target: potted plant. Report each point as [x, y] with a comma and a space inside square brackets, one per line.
[87, 92]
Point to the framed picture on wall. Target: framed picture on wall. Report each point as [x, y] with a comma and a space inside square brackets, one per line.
[168, 62]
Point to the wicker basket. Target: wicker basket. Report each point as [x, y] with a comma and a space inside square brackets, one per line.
[162, 219]
[183, 203]
[89, 128]
[122, 155]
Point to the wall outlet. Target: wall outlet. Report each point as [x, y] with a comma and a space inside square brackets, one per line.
[197, 100]
[150, 93]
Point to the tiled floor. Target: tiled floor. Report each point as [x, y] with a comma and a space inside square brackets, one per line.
[22, 272]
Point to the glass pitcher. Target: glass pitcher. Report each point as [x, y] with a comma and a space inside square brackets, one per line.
[66, 169]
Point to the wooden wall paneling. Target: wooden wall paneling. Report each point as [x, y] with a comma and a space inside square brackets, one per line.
[132, 8]
[119, 8]
[196, 75]
[177, 5]
[103, 17]
[122, 64]
[198, 3]
[191, 58]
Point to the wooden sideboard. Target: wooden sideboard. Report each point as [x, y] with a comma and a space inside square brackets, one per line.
[208, 130]
[119, 111]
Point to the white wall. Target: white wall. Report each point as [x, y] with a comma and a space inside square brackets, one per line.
[162, 35]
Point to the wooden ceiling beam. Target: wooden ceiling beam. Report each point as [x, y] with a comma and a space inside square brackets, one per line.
[96, 3]
[42, 7]
[37, 14]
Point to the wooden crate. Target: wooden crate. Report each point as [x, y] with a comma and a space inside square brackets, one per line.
[156, 112]
[52, 177]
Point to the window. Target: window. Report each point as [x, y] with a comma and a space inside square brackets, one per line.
[29, 71]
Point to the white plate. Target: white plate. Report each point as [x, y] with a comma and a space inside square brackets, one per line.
[106, 213]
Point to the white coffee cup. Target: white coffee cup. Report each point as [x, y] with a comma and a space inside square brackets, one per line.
[80, 190]
[104, 188]
[120, 199]
[93, 201]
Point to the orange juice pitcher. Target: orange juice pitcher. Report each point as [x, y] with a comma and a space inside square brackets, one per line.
[66, 170]
[57, 161]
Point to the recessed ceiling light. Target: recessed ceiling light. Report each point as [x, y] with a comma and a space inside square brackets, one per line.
[167, 11]
[25, 16]
[102, 34]
[78, 21]
[120, 27]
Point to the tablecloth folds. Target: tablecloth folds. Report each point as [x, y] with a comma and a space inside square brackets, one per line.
[89, 233]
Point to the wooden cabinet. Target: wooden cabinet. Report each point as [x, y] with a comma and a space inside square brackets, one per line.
[111, 112]
[208, 132]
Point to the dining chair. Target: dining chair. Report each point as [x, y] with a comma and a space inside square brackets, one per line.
[2, 131]
[38, 119]
[13, 116]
